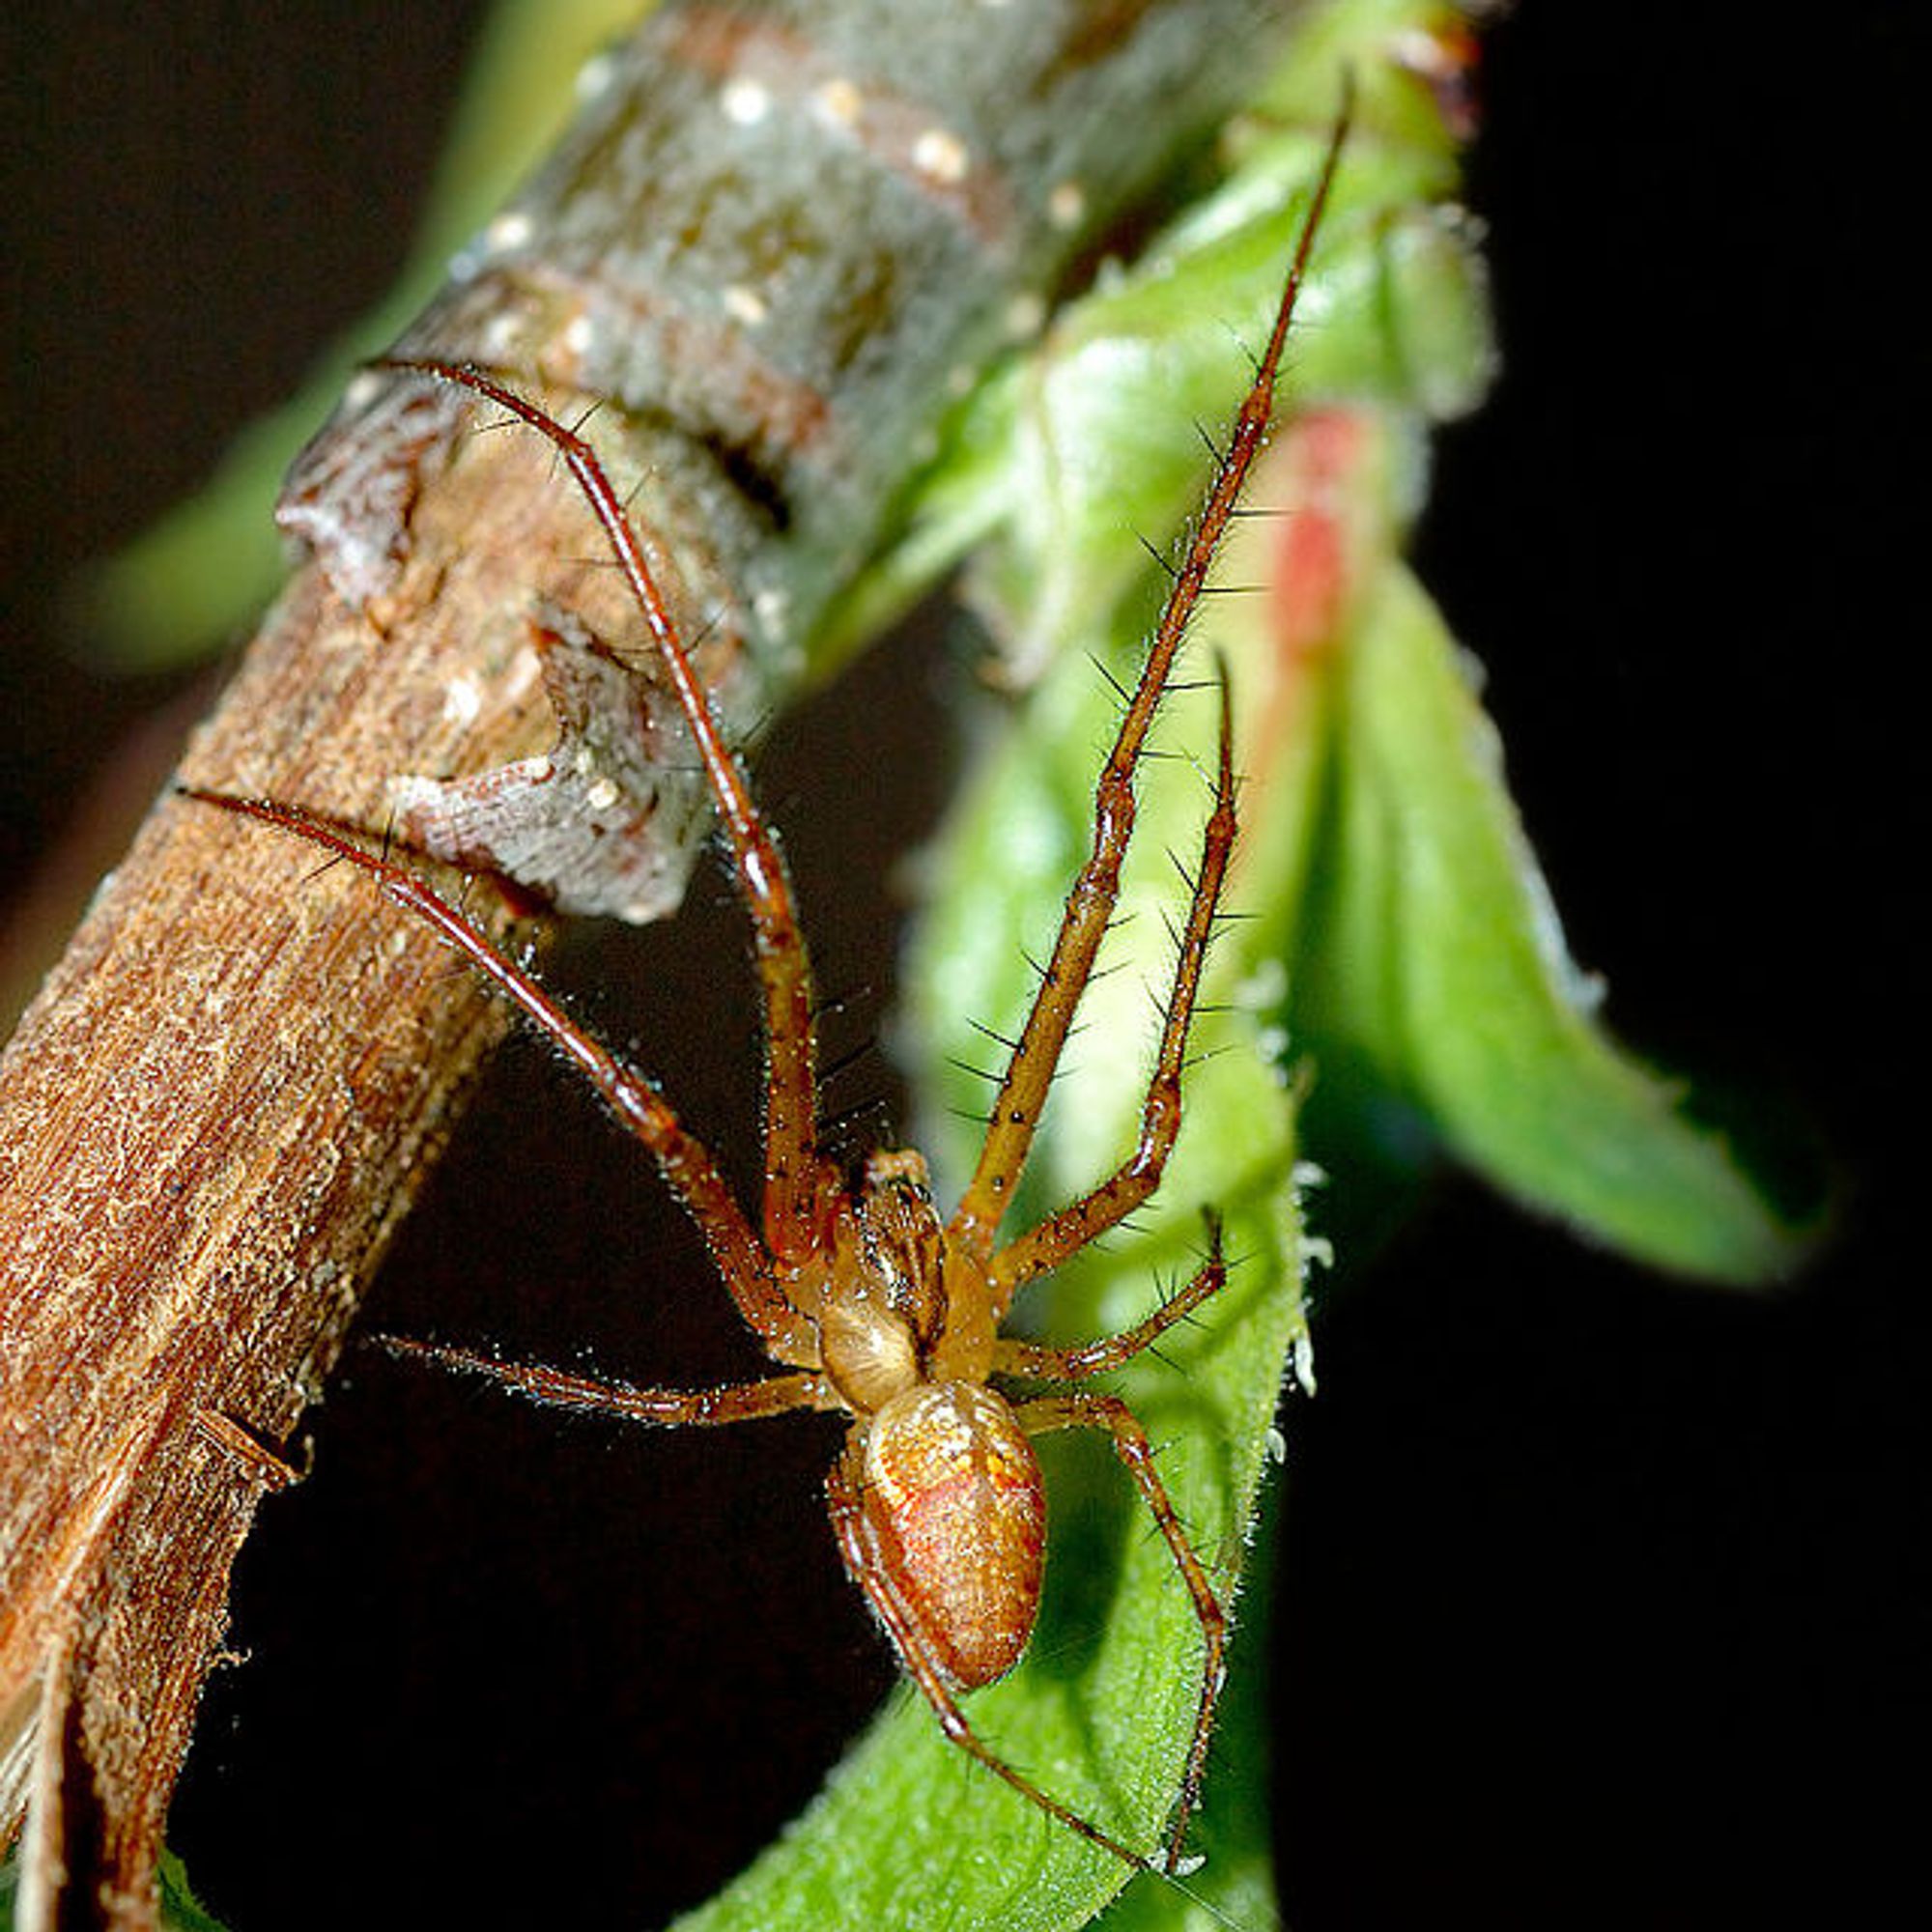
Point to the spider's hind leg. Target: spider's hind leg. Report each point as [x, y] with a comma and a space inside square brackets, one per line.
[874, 1575]
[1086, 1409]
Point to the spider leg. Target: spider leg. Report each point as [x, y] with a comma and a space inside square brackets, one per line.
[674, 1408]
[1091, 1358]
[684, 1162]
[1090, 904]
[793, 1172]
[1083, 1409]
[873, 1577]
[1066, 1232]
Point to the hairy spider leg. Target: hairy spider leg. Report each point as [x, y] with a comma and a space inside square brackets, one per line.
[1090, 902]
[1039, 1361]
[685, 1163]
[1108, 1413]
[667, 1408]
[793, 1171]
[1086, 1409]
[1066, 1232]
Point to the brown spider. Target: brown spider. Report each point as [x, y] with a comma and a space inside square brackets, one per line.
[872, 1303]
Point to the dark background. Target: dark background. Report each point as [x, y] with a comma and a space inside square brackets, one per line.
[1593, 1592]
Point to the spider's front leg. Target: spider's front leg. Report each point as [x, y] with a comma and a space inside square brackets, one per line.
[1096, 890]
[1064, 1233]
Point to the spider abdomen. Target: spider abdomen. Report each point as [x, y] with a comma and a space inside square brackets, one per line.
[957, 1511]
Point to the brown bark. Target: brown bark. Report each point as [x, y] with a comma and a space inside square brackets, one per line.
[217, 1110]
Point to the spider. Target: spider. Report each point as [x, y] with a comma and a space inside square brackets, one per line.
[867, 1300]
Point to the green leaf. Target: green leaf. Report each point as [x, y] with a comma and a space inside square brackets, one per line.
[909, 1831]
[1098, 431]
[1437, 961]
